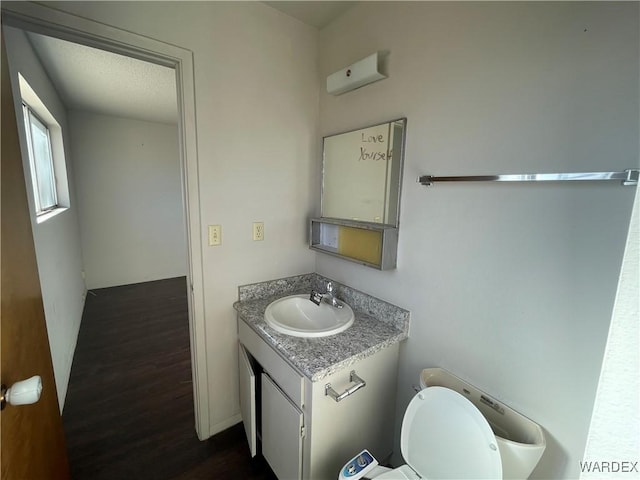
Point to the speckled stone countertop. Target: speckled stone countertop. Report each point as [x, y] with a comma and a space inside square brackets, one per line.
[377, 325]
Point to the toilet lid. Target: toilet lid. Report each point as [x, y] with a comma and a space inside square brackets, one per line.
[445, 436]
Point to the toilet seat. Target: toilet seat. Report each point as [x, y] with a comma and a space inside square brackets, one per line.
[405, 472]
[445, 436]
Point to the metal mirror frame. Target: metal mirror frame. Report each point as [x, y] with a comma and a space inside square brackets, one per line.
[399, 166]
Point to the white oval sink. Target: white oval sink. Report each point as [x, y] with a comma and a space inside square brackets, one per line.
[298, 316]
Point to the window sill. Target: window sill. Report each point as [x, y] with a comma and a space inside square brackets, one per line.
[49, 215]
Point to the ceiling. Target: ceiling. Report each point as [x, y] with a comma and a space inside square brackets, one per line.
[93, 80]
[315, 13]
[98, 81]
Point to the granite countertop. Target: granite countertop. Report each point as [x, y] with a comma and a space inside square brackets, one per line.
[377, 325]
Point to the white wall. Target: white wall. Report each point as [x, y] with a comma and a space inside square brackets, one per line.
[130, 200]
[256, 87]
[614, 434]
[511, 287]
[57, 240]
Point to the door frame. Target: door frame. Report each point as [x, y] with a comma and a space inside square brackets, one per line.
[47, 21]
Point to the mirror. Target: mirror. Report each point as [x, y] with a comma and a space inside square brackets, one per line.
[362, 173]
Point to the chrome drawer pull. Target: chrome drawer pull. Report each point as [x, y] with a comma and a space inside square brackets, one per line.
[360, 383]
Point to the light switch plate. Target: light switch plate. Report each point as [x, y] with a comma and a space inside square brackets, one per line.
[215, 235]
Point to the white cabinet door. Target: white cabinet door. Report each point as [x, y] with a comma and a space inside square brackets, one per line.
[282, 432]
[247, 398]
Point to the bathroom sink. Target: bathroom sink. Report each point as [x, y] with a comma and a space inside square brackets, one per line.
[298, 316]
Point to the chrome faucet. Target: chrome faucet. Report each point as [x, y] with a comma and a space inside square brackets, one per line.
[330, 298]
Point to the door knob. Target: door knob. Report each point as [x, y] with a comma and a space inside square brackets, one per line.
[24, 392]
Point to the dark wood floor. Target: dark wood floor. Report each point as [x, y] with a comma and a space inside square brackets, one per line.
[129, 407]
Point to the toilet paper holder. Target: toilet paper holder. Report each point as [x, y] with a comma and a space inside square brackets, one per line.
[359, 383]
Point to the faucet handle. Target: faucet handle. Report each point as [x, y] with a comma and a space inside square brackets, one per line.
[329, 287]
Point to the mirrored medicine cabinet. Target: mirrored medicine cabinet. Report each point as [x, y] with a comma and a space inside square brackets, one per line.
[360, 201]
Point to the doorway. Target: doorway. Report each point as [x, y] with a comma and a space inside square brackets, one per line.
[41, 20]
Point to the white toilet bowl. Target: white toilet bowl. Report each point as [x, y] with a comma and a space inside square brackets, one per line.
[453, 430]
[521, 440]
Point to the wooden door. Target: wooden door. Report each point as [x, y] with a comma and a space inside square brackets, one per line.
[32, 444]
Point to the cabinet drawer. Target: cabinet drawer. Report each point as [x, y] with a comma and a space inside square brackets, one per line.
[287, 378]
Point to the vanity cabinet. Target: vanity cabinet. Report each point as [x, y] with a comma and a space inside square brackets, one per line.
[282, 431]
[247, 381]
[303, 432]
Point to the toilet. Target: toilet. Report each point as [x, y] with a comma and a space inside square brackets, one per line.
[453, 430]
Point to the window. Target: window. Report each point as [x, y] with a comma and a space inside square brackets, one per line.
[41, 160]
[45, 149]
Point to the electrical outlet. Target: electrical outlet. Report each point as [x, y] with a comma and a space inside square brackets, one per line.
[258, 231]
[215, 235]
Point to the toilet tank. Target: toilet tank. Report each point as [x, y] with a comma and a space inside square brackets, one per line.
[521, 441]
